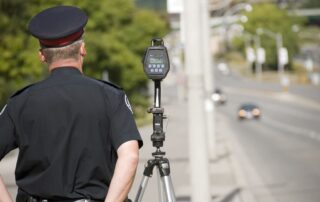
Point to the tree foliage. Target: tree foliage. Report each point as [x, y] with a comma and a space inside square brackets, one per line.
[270, 17]
[311, 4]
[116, 36]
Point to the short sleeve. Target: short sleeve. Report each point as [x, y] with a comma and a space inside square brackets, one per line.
[7, 133]
[122, 126]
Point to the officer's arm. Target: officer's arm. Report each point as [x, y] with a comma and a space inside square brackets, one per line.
[128, 156]
[7, 143]
[4, 194]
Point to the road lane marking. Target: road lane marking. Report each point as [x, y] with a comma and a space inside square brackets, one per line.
[293, 129]
[279, 96]
[246, 174]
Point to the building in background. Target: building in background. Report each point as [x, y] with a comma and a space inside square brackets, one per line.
[159, 5]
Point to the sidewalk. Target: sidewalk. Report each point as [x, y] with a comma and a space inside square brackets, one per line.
[227, 172]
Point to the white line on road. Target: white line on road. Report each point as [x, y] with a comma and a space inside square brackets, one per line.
[280, 96]
[293, 129]
[246, 174]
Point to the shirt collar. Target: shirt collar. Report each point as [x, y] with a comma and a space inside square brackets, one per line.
[68, 70]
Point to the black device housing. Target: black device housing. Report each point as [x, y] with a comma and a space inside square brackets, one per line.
[156, 62]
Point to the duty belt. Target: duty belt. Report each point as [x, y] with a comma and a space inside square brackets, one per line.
[24, 197]
[31, 199]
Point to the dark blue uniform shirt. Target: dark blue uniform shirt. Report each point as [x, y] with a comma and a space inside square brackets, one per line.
[68, 129]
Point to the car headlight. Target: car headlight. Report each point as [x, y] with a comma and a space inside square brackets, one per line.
[256, 112]
[242, 113]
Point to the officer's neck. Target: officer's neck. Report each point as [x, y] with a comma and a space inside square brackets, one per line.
[66, 63]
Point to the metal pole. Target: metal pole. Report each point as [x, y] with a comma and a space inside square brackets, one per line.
[208, 76]
[160, 187]
[279, 45]
[142, 188]
[258, 66]
[182, 27]
[236, 8]
[198, 152]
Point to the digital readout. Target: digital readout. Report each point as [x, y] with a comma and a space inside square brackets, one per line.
[153, 60]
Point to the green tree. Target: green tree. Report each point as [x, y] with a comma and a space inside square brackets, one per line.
[17, 65]
[115, 36]
[269, 16]
[311, 4]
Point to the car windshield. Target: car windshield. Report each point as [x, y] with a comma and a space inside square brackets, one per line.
[248, 107]
[218, 91]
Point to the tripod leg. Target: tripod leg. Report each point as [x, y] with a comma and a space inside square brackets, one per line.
[164, 170]
[147, 173]
[160, 188]
[142, 188]
[168, 187]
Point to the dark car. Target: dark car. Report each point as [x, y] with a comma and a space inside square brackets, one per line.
[249, 111]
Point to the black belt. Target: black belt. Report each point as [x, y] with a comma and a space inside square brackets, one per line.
[24, 197]
[32, 199]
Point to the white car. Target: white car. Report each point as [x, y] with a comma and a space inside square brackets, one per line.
[218, 97]
[223, 68]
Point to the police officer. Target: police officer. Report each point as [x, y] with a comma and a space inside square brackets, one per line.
[76, 136]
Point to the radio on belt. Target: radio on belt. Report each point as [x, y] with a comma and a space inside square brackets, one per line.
[156, 63]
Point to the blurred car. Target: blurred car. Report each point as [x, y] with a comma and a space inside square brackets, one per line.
[218, 96]
[223, 68]
[249, 111]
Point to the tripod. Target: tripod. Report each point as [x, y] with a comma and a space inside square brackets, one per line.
[159, 161]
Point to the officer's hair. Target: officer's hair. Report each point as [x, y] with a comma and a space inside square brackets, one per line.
[66, 52]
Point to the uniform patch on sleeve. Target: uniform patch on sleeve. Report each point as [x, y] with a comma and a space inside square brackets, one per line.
[4, 108]
[126, 100]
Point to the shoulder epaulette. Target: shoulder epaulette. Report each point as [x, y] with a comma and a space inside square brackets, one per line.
[111, 84]
[21, 90]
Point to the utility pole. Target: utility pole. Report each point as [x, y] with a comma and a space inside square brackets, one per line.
[208, 76]
[198, 146]
[279, 46]
[259, 59]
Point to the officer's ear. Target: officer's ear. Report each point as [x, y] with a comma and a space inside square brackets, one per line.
[41, 56]
[83, 50]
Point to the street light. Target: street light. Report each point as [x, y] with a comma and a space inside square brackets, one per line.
[238, 7]
[282, 59]
[231, 11]
[282, 53]
[250, 53]
[260, 57]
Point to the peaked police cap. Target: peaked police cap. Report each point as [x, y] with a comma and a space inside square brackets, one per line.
[58, 26]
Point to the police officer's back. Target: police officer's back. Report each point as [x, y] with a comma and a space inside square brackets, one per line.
[76, 136]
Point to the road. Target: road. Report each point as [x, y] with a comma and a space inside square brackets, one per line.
[280, 154]
[284, 146]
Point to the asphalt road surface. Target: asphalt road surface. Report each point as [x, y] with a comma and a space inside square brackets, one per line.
[284, 145]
